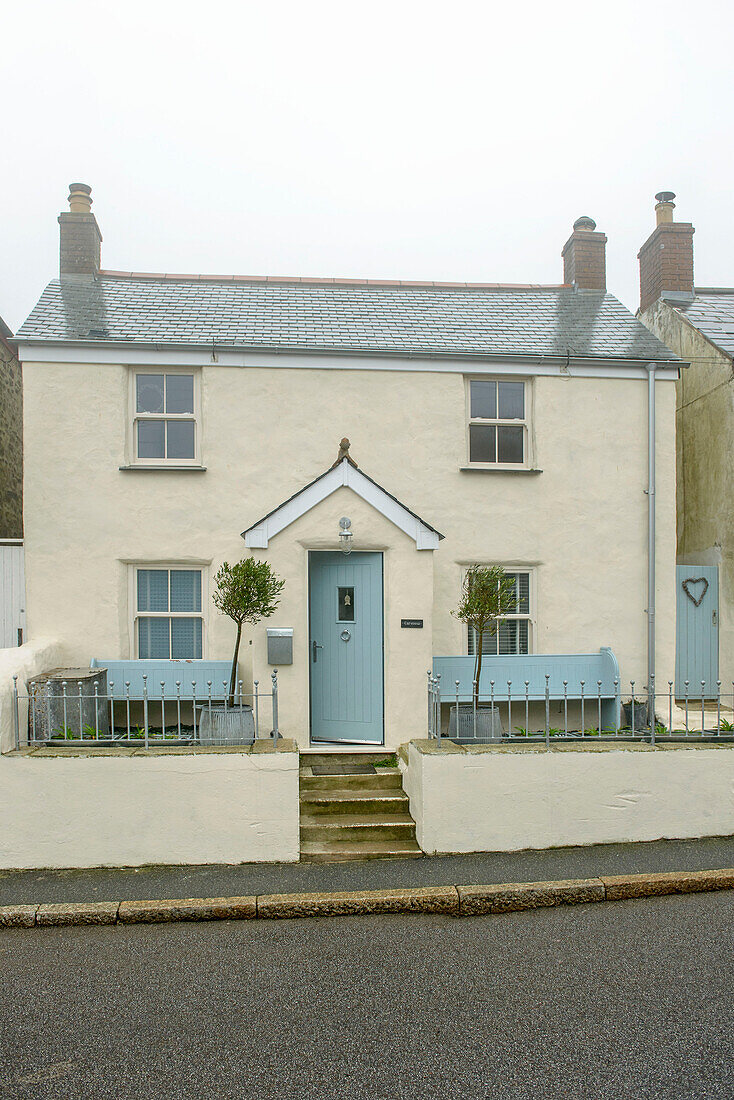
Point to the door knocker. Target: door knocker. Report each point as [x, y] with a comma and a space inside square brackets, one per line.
[345, 635]
[704, 590]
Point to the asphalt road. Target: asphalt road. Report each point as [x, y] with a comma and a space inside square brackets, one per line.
[131, 884]
[632, 999]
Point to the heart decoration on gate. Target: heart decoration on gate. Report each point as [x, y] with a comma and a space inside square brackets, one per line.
[704, 590]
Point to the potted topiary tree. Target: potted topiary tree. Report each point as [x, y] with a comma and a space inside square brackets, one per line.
[488, 594]
[247, 592]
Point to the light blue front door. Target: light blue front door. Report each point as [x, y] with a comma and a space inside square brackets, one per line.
[345, 647]
[697, 631]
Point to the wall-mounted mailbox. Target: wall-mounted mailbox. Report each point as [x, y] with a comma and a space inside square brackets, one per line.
[280, 645]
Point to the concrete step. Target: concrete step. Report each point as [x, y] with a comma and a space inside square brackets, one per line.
[354, 801]
[340, 828]
[318, 851]
[371, 757]
[384, 779]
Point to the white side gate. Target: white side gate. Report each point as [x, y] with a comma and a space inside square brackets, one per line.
[12, 593]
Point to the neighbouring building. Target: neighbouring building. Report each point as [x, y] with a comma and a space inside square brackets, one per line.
[12, 590]
[697, 323]
[174, 422]
[11, 437]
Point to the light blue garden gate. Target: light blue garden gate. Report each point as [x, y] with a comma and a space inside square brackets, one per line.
[697, 631]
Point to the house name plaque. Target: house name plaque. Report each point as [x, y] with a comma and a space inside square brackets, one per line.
[411, 624]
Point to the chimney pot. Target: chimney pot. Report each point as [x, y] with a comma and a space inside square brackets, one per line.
[664, 207]
[587, 225]
[80, 198]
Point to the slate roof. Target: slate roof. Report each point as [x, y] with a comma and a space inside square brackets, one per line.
[712, 313]
[342, 316]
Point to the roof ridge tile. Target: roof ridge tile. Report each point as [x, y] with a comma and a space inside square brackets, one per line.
[317, 280]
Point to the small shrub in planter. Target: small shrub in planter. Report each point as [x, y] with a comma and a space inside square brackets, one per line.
[247, 592]
[487, 595]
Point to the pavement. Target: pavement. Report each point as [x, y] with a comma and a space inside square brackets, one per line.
[133, 884]
[629, 1001]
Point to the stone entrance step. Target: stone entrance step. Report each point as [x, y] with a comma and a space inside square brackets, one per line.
[318, 852]
[353, 815]
[358, 801]
[338, 828]
[310, 758]
[383, 779]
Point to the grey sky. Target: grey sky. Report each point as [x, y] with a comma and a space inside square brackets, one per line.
[421, 140]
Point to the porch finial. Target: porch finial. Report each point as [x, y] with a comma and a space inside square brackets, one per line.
[344, 453]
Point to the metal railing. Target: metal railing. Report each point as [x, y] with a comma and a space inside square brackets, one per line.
[581, 711]
[79, 714]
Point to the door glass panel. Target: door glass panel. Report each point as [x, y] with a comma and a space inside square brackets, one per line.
[346, 605]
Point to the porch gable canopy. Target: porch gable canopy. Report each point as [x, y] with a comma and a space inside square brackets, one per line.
[342, 473]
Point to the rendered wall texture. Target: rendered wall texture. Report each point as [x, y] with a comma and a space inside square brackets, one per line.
[580, 525]
[11, 445]
[705, 443]
[507, 799]
[25, 662]
[129, 810]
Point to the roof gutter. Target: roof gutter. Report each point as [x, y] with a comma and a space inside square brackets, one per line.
[246, 349]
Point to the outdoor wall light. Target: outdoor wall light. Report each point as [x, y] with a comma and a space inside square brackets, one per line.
[345, 535]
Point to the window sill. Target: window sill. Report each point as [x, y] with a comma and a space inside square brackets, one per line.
[498, 470]
[140, 466]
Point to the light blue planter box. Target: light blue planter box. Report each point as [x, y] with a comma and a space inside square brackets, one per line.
[571, 667]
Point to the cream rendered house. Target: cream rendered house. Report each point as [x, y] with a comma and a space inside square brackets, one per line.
[174, 422]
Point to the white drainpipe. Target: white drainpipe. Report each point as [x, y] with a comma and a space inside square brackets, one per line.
[651, 536]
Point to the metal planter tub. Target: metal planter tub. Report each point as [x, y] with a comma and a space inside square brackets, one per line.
[468, 724]
[226, 725]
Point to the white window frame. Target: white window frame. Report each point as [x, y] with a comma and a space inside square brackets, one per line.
[530, 617]
[171, 566]
[498, 422]
[134, 416]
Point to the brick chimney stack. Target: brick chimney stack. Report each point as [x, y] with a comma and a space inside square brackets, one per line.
[584, 256]
[666, 257]
[80, 235]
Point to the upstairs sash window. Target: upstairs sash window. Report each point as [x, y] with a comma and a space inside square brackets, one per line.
[165, 424]
[497, 422]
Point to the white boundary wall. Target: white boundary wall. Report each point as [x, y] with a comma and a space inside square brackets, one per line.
[130, 810]
[506, 799]
[25, 662]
